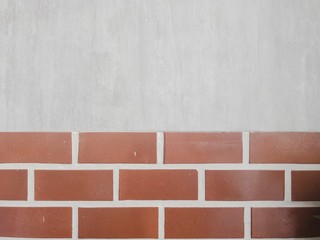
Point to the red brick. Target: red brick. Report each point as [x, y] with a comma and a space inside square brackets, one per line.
[288, 147]
[118, 222]
[37, 222]
[158, 185]
[117, 148]
[87, 185]
[306, 185]
[285, 222]
[13, 184]
[204, 223]
[35, 147]
[203, 148]
[244, 185]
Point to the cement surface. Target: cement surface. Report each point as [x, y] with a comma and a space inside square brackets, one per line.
[140, 65]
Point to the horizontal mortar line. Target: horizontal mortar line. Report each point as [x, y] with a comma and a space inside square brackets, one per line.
[300, 167]
[157, 203]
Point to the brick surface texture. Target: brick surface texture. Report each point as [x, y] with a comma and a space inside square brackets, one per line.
[160, 185]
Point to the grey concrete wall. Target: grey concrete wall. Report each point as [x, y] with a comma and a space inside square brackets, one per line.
[159, 65]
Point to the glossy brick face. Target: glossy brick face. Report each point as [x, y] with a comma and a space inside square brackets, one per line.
[35, 148]
[158, 185]
[117, 148]
[244, 185]
[39, 222]
[285, 147]
[118, 222]
[78, 185]
[13, 185]
[204, 223]
[306, 185]
[203, 148]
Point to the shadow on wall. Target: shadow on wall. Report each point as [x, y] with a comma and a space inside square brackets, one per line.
[306, 222]
[286, 222]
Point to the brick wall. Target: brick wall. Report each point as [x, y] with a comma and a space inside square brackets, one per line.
[159, 185]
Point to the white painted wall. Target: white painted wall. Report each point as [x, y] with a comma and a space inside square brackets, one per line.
[159, 65]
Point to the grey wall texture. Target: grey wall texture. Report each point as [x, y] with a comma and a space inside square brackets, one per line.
[140, 65]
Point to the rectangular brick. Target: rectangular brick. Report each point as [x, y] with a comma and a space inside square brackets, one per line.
[244, 185]
[118, 222]
[78, 185]
[204, 223]
[285, 147]
[13, 184]
[27, 147]
[285, 222]
[306, 185]
[203, 147]
[117, 148]
[158, 185]
[35, 222]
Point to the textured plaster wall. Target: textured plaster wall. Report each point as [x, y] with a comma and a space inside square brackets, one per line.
[159, 65]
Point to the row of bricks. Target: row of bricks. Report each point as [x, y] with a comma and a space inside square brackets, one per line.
[142, 148]
[220, 185]
[143, 222]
